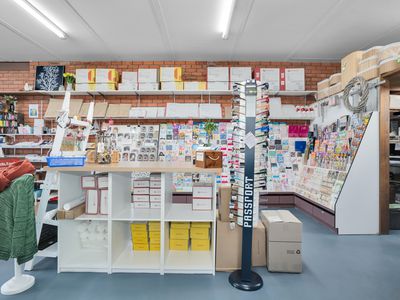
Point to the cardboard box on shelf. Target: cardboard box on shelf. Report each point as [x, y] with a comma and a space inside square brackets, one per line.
[141, 191]
[180, 245]
[139, 226]
[88, 182]
[172, 86]
[105, 87]
[229, 246]
[323, 84]
[155, 247]
[140, 205]
[128, 86]
[209, 159]
[141, 183]
[180, 225]
[170, 74]
[335, 78]
[373, 51]
[199, 233]
[155, 191]
[284, 257]
[140, 247]
[85, 76]
[149, 86]
[103, 195]
[349, 66]
[155, 204]
[199, 245]
[202, 190]
[194, 85]
[179, 234]
[155, 184]
[218, 85]
[92, 202]
[140, 240]
[201, 203]
[148, 76]
[294, 79]
[85, 87]
[239, 74]
[218, 74]
[200, 225]
[224, 198]
[129, 77]
[140, 198]
[155, 198]
[270, 75]
[154, 234]
[72, 213]
[154, 226]
[107, 76]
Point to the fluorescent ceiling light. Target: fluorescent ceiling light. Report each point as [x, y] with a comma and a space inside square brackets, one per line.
[227, 13]
[38, 15]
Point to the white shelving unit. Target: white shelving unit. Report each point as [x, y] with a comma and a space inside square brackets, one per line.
[118, 256]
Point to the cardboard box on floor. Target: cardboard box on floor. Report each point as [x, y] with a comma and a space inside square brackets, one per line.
[283, 232]
[229, 247]
[224, 198]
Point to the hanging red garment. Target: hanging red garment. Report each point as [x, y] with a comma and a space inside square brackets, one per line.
[14, 171]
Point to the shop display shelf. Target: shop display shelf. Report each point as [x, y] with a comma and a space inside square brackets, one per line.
[86, 217]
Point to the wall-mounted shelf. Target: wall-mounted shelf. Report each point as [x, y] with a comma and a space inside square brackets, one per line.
[277, 118]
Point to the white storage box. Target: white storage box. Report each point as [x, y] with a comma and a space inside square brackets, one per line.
[148, 76]
[218, 85]
[149, 86]
[103, 194]
[141, 183]
[127, 86]
[172, 86]
[170, 74]
[141, 191]
[218, 74]
[239, 74]
[129, 77]
[294, 79]
[270, 75]
[140, 198]
[202, 203]
[202, 190]
[85, 76]
[92, 202]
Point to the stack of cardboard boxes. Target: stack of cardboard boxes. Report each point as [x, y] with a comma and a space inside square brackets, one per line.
[96, 194]
[85, 80]
[202, 196]
[200, 236]
[171, 79]
[283, 232]
[106, 80]
[146, 236]
[218, 78]
[148, 80]
[155, 190]
[179, 236]
[128, 81]
[141, 192]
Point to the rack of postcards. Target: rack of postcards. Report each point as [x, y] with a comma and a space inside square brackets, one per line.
[332, 151]
[249, 134]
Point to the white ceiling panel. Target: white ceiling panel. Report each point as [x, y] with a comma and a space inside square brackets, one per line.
[189, 29]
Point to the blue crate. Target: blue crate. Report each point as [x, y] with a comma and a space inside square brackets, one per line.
[62, 161]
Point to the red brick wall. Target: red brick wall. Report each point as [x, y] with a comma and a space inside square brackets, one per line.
[192, 71]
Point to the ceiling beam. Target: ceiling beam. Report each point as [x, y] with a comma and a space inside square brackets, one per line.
[159, 17]
[26, 38]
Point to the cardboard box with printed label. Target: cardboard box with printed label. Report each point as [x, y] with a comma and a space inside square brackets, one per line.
[195, 85]
[155, 204]
[140, 205]
[239, 74]
[105, 87]
[180, 245]
[229, 246]
[349, 66]
[179, 234]
[141, 191]
[154, 226]
[106, 76]
[199, 245]
[199, 233]
[85, 87]
[103, 195]
[155, 191]
[85, 76]
[155, 247]
[141, 183]
[140, 247]
[170, 74]
[180, 225]
[202, 190]
[155, 198]
[102, 182]
[218, 85]
[294, 79]
[147, 76]
[149, 86]
[172, 86]
[284, 233]
[270, 75]
[128, 86]
[129, 77]
[88, 182]
[140, 198]
[92, 202]
[218, 74]
[201, 203]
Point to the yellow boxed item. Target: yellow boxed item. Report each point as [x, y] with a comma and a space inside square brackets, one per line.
[200, 225]
[388, 65]
[335, 89]
[200, 233]
[179, 234]
[368, 63]
[390, 51]
[170, 74]
[105, 87]
[106, 76]
[200, 245]
[154, 226]
[154, 234]
[179, 245]
[85, 87]
[172, 86]
[139, 234]
[85, 76]
[370, 73]
[349, 66]
[155, 240]
[374, 51]
[323, 84]
[195, 85]
[141, 247]
[138, 226]
[180, 225]
[140, 239]
[335, 78]
[155, 247]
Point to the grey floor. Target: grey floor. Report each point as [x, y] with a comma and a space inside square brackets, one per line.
[335, 267]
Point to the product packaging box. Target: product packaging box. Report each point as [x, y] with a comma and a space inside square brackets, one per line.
[180, 225]
[170, 74]
[270, 75]
[105, 87]
[294, 79]
[195, 85]
[201, 203]
[102, 182]
[106, 76]
[139, 226]
[180, 245]
[155, 191]
[140, 198]
[85, 76]
[128, 86]
[140, 247]
[155, 247]
[284, 233]
[92, 202]
[200, 225]
[72, 213]
[103, 195]
[224, 198]
[129, 77]
[140, 205]
[218, 74]
[148, 76]
[199, 233]
[141, 183]
[335, 79]
[154, 226]
[229, 246]
[218, 85]
[149, 86]
[179, 234]
[141, 191]
[349, 66]
[85, 87]
[155, 205]
[239, 74]
[172, 86]
[199, 245]
[202, 190]
[155, 184]
[88, 182]
[154, 235]
[155, 198]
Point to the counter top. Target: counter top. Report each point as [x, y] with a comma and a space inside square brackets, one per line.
[152, 167]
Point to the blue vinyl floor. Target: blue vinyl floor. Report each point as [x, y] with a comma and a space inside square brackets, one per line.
[334, 267]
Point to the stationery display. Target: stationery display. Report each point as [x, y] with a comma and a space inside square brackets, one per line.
[332, 151]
